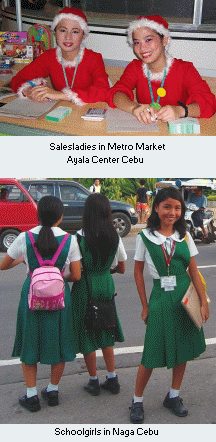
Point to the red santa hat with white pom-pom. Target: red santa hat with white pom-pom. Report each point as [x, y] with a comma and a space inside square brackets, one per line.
[72, 14]
[154, 22]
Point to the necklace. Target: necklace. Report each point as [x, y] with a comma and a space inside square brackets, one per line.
[75, 70]
[160, 91]
[168, 258]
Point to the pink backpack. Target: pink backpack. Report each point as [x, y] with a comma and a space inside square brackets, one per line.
[47, 285]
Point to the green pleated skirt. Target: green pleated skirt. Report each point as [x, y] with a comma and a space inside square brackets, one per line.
[89, 340]
[44, 336]
[171, 337]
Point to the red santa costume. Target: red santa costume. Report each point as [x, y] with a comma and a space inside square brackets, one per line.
[182, 83]
[87, 69]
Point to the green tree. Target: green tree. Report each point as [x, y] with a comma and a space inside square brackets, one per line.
[110, 187]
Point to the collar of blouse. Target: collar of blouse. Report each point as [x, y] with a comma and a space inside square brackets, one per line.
[160, 239]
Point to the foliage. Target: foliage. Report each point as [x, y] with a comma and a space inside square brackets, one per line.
[131, 200]
[110, 187]
[129, 186]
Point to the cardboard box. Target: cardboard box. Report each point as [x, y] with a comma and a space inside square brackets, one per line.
[22, 53]
[13, 37]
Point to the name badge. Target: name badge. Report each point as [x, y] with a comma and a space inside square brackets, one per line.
[168, 283]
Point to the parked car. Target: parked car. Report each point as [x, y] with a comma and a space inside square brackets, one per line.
[19, 213]
[73, 196]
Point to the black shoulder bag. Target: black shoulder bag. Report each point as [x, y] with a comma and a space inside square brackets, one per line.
[99, 315]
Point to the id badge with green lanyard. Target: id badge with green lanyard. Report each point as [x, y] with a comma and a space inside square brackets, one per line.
[168, 283]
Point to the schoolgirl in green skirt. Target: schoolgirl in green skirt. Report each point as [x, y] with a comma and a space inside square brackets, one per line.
[171, 337]
[44, 336]
[101, 248]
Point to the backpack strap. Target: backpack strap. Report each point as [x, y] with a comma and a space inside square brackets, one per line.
[56, 255]
[60, 247]
[156, 258]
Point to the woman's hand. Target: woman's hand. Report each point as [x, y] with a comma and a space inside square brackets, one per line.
[170, 113]
[144, 314]
[144, 113]
[44, 93]
[205, 311]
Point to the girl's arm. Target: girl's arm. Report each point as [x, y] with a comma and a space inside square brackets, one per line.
[143, 112]
[35, 71]
[199, 288]
[44, 93]
[75, 271]
[171, 113]
[7, 263]
[139, 279]
[120, 267]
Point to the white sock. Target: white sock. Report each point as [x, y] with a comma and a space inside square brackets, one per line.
[111, 374]
[31, 392]
[137, 399]
[93, 378]
[173, 393]
[51, 387]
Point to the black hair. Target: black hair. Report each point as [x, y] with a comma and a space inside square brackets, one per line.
[142, 182]
[50, 210]
[160, 35]
[100, 235]
[153, 222]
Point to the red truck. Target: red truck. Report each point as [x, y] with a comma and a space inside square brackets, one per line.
[18, 211]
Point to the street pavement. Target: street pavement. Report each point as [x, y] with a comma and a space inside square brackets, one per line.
[78, 407]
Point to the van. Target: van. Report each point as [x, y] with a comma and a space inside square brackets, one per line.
[18, 211]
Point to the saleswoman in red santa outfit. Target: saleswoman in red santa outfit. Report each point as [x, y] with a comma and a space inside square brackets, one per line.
[166, 88]
[77, 74]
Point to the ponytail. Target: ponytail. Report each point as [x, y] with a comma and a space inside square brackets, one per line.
[50, 210]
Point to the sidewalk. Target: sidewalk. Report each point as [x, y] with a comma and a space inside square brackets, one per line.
[78, 407]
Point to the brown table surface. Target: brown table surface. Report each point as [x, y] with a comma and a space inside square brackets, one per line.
[75, 125]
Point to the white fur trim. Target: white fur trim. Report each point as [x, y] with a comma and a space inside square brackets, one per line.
[73, 96]
[158, 76]
[77, 18]
[145, 23]
[69, 64]
[24, 86]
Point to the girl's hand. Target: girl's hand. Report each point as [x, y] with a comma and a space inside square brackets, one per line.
[170, 113]
[144, 314]
[205, 312]
[44, 93]
[144, 113]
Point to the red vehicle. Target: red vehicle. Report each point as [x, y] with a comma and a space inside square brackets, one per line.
[18, 211]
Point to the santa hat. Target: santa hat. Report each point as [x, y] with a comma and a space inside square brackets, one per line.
[72, 14]
[155, 22]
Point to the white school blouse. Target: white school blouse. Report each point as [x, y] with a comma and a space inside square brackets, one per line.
[18, 247]
[142, 253]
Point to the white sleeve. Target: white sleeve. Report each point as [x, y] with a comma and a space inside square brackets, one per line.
[74, 251]
[191, 245]
[18, 247]
[140, 250]
[121, 254]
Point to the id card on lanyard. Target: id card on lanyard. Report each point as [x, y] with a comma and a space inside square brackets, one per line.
[168, 283]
